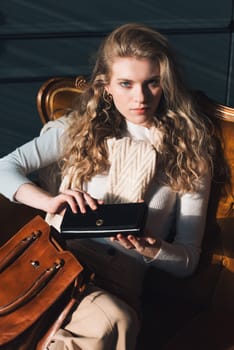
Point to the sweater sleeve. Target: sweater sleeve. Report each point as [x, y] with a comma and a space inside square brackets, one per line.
[181, 257]
[16, 167]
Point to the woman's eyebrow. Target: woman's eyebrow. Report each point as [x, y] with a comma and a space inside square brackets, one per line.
[125, 79]
[154, 77]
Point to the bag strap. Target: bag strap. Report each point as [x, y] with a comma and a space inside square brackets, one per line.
[48, 336]
[78, 291]
[34, 289]
[18, 250]
[53, 263]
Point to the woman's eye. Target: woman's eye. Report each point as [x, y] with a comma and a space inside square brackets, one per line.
[125, 84]
[154, 83]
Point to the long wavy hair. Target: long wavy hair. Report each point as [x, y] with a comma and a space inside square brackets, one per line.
[187, 144]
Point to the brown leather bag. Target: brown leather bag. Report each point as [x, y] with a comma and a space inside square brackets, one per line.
[39, 284]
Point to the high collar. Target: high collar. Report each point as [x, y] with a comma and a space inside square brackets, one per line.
[140, 132]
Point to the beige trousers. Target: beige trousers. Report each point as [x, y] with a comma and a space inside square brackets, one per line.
[101, 322]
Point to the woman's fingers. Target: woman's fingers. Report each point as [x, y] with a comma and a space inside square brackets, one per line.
[145, 246]
[90, 201]
[79, 199]
[138, 243]
[124, 241]
[63, 199]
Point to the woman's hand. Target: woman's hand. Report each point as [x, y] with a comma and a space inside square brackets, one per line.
[36, 197]
[76, 199]
[146, 246]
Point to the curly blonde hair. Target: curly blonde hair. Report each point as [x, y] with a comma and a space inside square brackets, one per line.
[187, 148]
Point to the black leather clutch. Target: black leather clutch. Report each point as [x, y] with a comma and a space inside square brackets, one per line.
[107, 220]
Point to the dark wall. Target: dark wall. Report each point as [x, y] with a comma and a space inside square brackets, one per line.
[45, 38]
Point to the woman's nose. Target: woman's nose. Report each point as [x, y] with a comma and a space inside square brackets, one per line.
[139, 94]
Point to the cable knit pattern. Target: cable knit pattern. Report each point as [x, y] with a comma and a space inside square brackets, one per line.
[133, 165]
[189, 210]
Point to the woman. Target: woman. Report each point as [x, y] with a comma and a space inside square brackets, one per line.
[134, 135]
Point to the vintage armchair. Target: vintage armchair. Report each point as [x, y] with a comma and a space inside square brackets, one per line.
[58, 95]
[184, 314]
[181, 313]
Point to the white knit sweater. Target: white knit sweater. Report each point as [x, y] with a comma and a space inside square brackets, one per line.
[166, 208]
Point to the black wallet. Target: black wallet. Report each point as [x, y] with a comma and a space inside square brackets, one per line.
[107, 220]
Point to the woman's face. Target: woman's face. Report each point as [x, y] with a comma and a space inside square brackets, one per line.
[135, 88]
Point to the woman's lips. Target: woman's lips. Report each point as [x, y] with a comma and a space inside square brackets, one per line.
[140, 110]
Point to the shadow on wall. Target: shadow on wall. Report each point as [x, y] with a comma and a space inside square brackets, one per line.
[2, 22]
